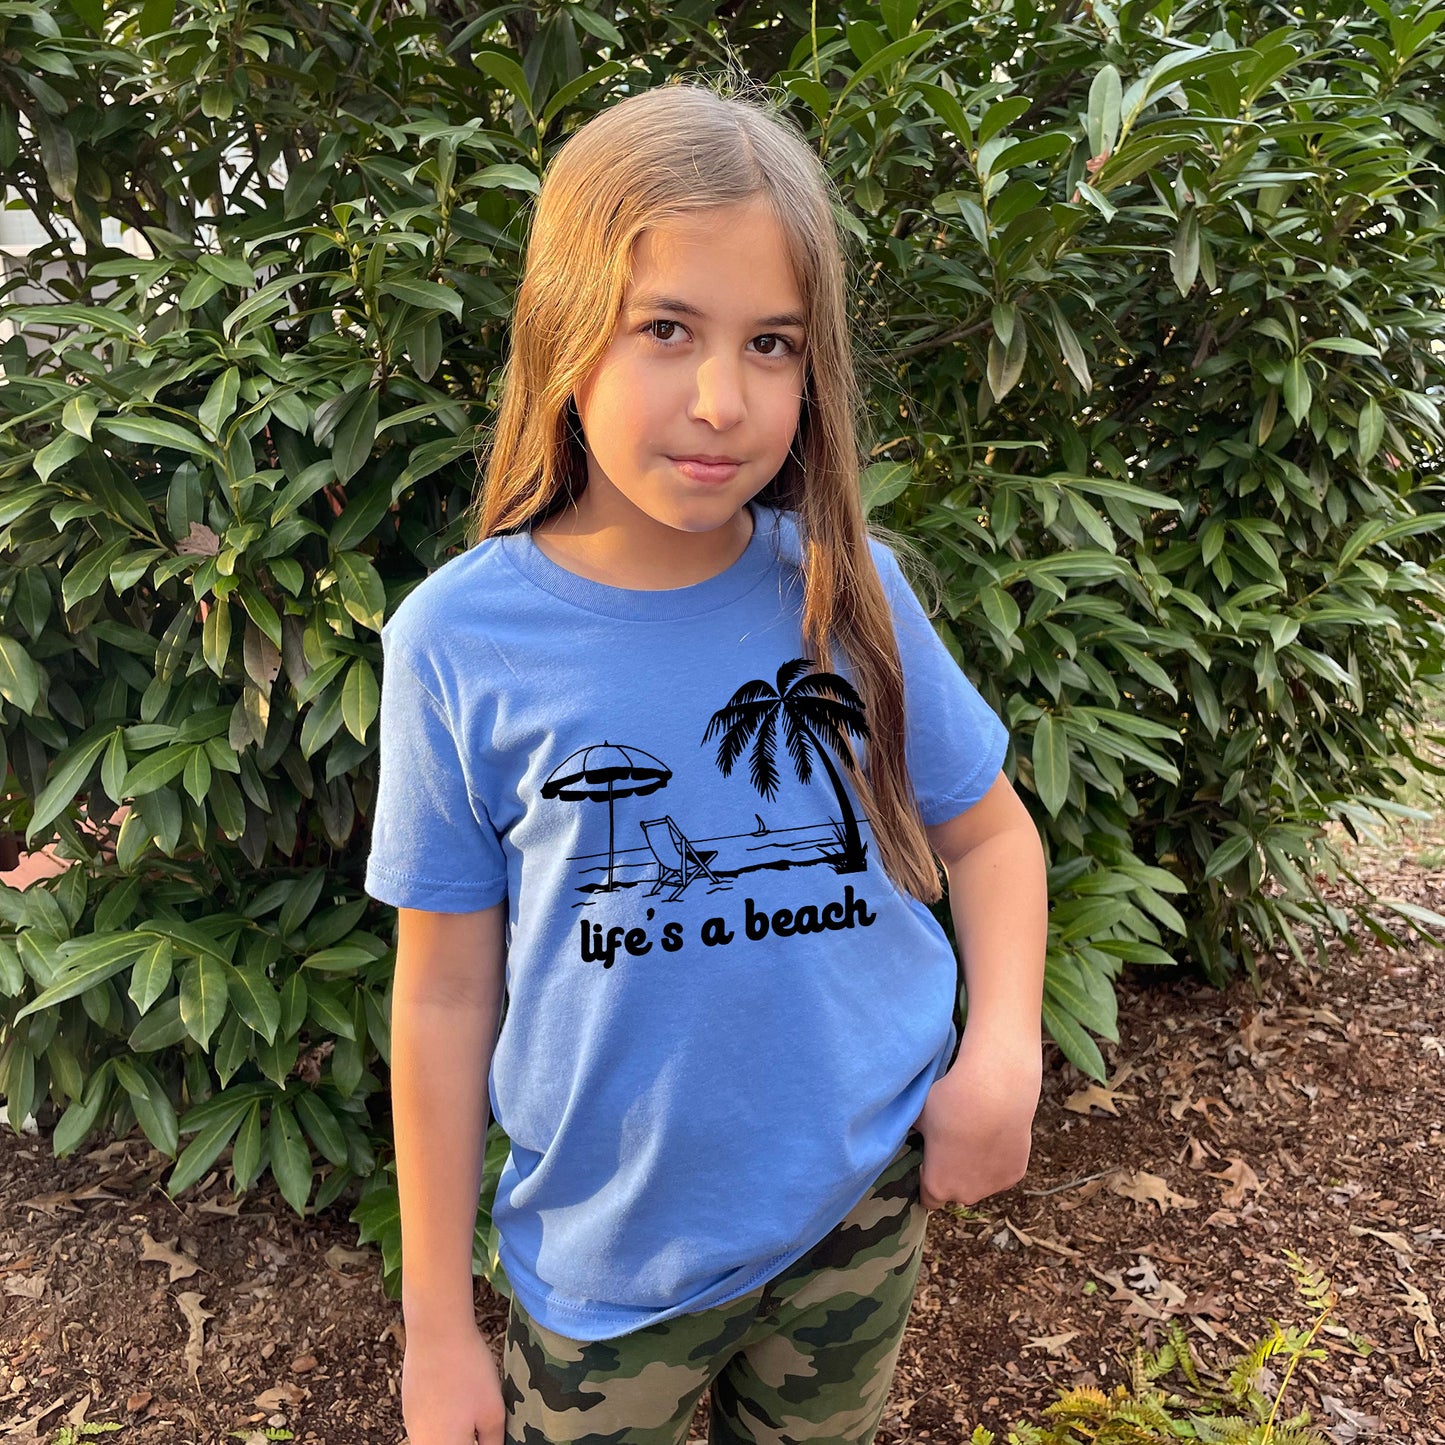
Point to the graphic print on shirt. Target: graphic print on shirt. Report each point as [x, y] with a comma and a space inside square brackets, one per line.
[814, 711]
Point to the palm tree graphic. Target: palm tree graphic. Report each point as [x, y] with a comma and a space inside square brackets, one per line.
[815, 712]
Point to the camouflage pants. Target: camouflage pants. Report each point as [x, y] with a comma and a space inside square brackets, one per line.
[808, 1356]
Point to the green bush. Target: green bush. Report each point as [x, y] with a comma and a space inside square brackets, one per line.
[1150, 303]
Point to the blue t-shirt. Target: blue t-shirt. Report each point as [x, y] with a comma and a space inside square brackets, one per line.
[722, 1016]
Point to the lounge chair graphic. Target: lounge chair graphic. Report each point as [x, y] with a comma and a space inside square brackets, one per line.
[678, 862]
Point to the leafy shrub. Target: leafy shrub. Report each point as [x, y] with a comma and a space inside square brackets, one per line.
[1152, 302]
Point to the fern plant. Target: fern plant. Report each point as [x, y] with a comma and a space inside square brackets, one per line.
[1233, 1410]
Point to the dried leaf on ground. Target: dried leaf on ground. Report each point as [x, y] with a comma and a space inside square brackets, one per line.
[1055, 1345]
[153, 1251]
[1146, 1188]
[196, 1317]
[1241, 1179]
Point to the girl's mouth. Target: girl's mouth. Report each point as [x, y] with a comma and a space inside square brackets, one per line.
[706, 471]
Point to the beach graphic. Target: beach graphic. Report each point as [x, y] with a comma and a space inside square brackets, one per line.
[667, 854]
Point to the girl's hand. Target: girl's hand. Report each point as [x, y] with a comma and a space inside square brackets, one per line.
[451, 1389]
[976, 1119]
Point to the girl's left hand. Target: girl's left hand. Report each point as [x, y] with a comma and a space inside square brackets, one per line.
[976, 1120]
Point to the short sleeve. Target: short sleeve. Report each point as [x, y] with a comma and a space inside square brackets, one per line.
[432, 844]
[956, 742]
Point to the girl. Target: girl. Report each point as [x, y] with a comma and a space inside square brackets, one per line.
[666, 760]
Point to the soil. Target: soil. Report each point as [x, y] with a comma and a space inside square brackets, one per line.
[1302, 1115]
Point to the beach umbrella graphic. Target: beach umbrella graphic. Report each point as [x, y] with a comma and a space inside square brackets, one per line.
[606, 771]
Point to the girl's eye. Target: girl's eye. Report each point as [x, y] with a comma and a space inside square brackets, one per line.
[649, 329]
[773, 336]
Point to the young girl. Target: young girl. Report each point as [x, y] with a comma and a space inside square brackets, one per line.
[666, 760]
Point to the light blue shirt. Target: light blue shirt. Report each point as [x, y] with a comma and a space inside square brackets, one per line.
[722, 1017]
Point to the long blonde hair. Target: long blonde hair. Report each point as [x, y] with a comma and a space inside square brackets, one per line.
[646, 160]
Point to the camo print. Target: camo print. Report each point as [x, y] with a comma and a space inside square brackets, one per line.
[808, 1356]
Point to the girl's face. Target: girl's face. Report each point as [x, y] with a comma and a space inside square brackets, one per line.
[707, 360]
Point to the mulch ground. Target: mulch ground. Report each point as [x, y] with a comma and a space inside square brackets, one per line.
[1236, 1126]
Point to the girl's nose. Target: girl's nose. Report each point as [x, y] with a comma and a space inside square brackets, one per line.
[719, 396]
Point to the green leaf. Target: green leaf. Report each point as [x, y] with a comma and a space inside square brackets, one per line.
[1349, 345]
[500, 66]
[1184, 253]
[898, 51]
[19, 677]
[360, 699]
[362, 593]
[1001, 610]
[1088, 997]
[196, 776]
[231, 270]
[151, 975]
[424, 346]
[321, 1126]
[344, 958]
[152, 431]
[246, 1155]
[153, 1109]
[1298, 393]
[71, 769]
[1074, 356]
[272, 295]
[154, 771]
[161, 1028]
[220, 401]
[882, 482]
[1050, 754]
[205, 1148]
[203, 998]
[79, 1119]
[80, 413]
[256, 1000]
[518, 178]
[322, 721]
[425, 295]
[564, 97]
[90, 573]
[1371, 429]
[355, 434]
[216, 635]
[1105, 99]
[290, 1158]
[298, 906]
[1078, 1047]
[86, 968]
[50, 458]
[1006, 363]
[1232, 851]
[1000, 114]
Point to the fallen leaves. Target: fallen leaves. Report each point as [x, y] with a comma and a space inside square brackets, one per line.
[281, 1397]
[1392, 1237]
[1104, 1097]
[181, 1266]
[1055, 1346]
[196, 1317]
[1241, 1179]
[1052, 1245]
[1419, 1308]
[1146, 1188]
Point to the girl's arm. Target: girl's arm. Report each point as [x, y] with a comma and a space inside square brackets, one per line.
[446, 1003]
[977, 1116]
